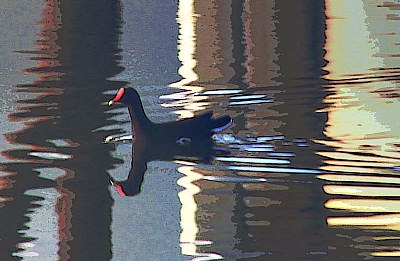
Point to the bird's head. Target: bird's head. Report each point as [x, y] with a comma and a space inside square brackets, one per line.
[118, 97]
[126, 96]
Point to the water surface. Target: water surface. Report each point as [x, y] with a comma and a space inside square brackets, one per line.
[309, 169]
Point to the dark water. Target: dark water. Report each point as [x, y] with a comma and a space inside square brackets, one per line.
[311, 163]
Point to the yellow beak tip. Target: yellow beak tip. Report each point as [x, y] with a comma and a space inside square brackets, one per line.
[110, 102]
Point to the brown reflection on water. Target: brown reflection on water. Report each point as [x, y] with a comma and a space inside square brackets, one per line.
[213, 45]
[239, 50]
[362, 130]
[261, 43]
[260, 64]
[216, 61]
[213, 60]
[53, 186]
[30, 198]
[207, 50]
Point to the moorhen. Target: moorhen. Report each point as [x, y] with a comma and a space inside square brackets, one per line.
[181, 132]
[185, 139]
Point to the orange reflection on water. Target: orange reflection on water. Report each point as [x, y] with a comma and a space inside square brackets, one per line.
[361, 132]
[381, 253]
[386, 222]
[363, 191]
[364, 205]
[359, 117]
[350, 47]
[359, 178]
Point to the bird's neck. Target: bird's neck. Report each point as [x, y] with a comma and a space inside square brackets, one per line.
[139, 120]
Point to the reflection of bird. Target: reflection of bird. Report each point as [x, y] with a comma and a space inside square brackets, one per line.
[132, 185]
[188, 138]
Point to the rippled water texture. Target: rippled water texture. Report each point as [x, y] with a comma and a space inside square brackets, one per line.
[309, 169]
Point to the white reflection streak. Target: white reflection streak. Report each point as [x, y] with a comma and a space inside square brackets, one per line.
[187, 43]
[189, 226]
[188, 210]
[186, 54]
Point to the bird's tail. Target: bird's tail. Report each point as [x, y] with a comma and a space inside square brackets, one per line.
[220, 124]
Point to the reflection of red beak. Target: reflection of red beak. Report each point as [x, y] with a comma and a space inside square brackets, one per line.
[120, 190]
[118, 187]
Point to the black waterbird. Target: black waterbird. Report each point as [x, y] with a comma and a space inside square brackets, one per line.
[187, 138]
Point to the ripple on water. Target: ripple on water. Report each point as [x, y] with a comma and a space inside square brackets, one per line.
[63, 143]
[253, 160]
[51, 173]
[51, 155]
[42, 226]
